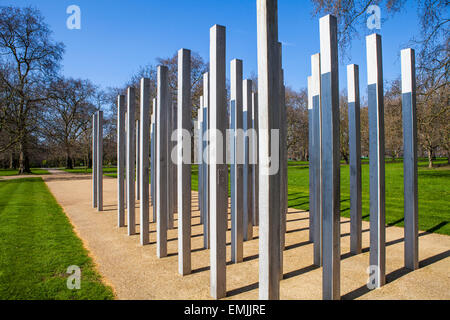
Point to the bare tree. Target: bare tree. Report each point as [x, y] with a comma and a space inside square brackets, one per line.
[29, 57]
[393, 127]
[433, 51]
[69, 116]
[297, 123]
[343, 127]
[352, 16]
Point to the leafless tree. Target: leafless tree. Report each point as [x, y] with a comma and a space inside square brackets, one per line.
[28, 58]
[71, 104]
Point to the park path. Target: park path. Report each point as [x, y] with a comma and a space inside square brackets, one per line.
[135, 272]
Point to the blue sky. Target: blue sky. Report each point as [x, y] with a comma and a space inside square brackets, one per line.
[118, 36]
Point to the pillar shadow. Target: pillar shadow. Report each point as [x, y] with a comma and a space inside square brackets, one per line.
[348, 233]
[296, 245]
[202, 269]
[298, 272]
[297, 230]
[391, 224]
[437, 227]
[243, 289]
[299, 219]
[292, 212]
[396, 274]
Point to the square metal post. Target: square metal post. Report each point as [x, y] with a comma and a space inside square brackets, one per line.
[247, 169]
[354, 133]
[152, 155]
[200, 158]
[138, 178]
[206, 163]
[317, 214]
[255, 179]
[100, 161]
[269, 125]
[94, 160]
[154, 182]
[331, 157]
[131, 154]
[162, 161]
[410, 158]
[376, 159]
[143, 173]
[184, 160]
[218, 168]
[236, 173]
[121, 110]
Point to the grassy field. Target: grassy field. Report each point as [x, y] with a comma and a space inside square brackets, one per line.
[11, 172]
[434, 192]
[107, 171]
[37, 245]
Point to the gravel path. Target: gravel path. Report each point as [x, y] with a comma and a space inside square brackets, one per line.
[136, 273]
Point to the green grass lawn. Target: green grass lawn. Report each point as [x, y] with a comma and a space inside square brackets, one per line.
[434, 192]
[12, 172]
[38, 244]
[107, 171]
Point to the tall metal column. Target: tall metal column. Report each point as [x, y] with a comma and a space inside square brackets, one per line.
[200, 158]
[100, 161]
[173, 167]
[311, 162]
[144, 136]
[376, 159]
[410, 158]
[138, 164]
[269, 121]
[162, 196]
[152, 155]
[219, 170]
[206, 163]
[255, 179]
[121, 109]
[184, 159]
[354, 133]
[317, 158]
[236, 178]
[94, 160]
[170, 166]
[131, 154]
[331, 157]
[247, 169]
[154, 181]
[283, 162]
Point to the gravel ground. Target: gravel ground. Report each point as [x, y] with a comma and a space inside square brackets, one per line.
[135, 272]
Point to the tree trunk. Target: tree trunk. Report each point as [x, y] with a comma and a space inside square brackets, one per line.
[430, 157]
[24, 164]
[11, 160]
[89, 161]
[345, 156]
[69, 162]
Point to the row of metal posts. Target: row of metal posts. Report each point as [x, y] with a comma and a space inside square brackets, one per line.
[266, 203]
[323, 91]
